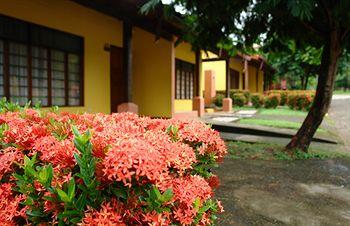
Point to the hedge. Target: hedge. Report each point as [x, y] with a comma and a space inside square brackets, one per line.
[99, 169]
[257, 100]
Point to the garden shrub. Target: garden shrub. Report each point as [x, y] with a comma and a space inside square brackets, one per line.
[300, 102]
[98, 169]
[218, 99]
[292, 101]
[284, 98]
[238, 100]
[303, 102]
[247, 96]
[272, 101]
[257, 100]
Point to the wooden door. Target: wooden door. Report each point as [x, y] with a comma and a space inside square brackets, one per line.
[118, 81]
[234, 79]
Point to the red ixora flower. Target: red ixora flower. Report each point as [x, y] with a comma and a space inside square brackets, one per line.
[10, 205]
[110, 213]
[59, 153]
[132, 153]
[8, 156]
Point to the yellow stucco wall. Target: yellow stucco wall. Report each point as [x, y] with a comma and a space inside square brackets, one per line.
[184, 52]
[252, 79]
[152, 69]
[219, 67]
[235, 63]
[97, 30]
[256, 86]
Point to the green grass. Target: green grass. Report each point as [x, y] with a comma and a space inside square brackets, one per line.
[264, 151]
[341, 92]
[274, 123]
[284, 111]
[271, 123]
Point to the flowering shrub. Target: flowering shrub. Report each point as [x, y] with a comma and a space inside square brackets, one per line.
[257, 100]
[272, 100]
[300, 102]
[98, 169]
[218, 99]
[239, 100]
[287, 95]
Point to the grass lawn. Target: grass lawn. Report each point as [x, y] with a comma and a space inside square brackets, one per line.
[281, 110]
[274, 123]
[285, 111]
[264, 151]
[341, 92]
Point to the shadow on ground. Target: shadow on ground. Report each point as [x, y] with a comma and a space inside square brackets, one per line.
[303, 192]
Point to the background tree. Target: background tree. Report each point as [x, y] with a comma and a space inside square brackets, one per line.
[238, 24]
[297, 65]
[342, 81]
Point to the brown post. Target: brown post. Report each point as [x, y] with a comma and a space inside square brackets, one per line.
[246, 74]
[127, 58]
[127, 106]
[227, 77]
[227, 102]
[198, 70]
[198, 100]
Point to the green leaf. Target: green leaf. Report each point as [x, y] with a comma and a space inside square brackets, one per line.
[71, 189]
[63, 195]
[149, 6]
[196, 203]
[35, 213]
[155, 193]
[168, 195]
[120, 193]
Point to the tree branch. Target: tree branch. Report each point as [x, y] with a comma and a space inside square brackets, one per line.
[311, 28]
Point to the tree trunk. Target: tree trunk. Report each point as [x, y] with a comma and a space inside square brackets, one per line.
[302, 78]
[330, 56]
[306, 82]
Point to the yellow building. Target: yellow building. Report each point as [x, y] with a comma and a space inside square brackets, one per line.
[93, 56]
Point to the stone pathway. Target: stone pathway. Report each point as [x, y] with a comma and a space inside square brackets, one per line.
[228, 117]
[310, 192]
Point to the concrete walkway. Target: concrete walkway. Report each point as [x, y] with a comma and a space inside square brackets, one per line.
[310, 192]
[340, 113]
[303, 192]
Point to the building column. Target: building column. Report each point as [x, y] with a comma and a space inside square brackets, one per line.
[128, 106]
[198, 100]
[246, 74]
[227, 101]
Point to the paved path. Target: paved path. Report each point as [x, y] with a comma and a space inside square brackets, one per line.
[340, 114]
[310, 192]
[304, 192]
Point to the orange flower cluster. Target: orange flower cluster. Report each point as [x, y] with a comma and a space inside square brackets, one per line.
[146, 169]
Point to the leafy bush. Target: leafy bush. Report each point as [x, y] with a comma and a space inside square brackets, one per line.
[300, 102]
[239, 100]
[303, 102]
[218, 99]
[257, 100]
[292, 101]
[98, 169]
[272, 101]
[284, 98]
[247, 96]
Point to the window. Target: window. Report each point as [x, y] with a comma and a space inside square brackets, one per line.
[39, 64]
[184, 80]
